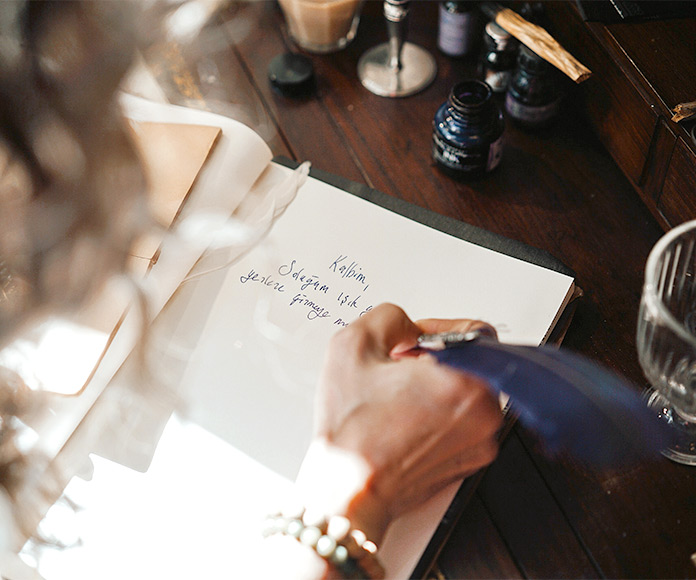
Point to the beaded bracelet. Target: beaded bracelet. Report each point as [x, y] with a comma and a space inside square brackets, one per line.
[334, 539]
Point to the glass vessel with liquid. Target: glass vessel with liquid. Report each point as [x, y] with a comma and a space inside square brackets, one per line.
[457, 28]
[468, 131]
[534, 96]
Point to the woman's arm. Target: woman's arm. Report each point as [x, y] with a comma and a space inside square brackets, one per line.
[392, 429]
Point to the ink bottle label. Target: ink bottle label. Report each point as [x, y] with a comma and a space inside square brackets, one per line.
[535, 115]
[474, 160]
[534, 96]
[495, 154]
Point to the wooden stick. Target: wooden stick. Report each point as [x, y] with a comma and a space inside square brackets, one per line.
[684, 111]
[542, 43]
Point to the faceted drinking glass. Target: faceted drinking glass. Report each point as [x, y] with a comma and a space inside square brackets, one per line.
[666, 336]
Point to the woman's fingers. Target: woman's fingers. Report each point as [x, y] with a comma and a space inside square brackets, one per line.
[379, 332]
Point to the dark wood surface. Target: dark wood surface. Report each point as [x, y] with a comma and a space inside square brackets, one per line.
[559, 190]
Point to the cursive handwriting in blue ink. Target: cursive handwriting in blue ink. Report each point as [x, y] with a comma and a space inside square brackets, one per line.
[254, 276]
[347, 300]
[351, 270]
[306, 280]
[315, 310]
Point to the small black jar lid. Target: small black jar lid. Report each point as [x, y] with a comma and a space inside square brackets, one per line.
[292, 74]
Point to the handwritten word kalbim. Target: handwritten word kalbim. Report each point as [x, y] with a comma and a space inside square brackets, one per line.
[349, 270]
[254, 276]
[306, 280]
[315, 310]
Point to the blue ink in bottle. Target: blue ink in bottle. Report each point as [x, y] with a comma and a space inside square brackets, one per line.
[468, 131]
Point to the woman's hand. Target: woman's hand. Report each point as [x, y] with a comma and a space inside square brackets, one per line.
[393, 426]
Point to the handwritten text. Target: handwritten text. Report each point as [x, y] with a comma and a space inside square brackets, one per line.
[254, 276]
[349, 270]
[306, 280]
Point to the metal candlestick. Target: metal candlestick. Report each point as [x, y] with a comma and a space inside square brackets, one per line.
[396, 68]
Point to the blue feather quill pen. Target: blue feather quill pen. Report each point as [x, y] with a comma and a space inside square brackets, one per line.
[573, 404]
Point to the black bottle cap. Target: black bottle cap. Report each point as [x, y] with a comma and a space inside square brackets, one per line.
[292, 74]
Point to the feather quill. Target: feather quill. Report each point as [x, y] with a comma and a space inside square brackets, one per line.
[572, 403]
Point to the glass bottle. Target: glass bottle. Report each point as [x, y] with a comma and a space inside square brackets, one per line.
[499, 57]
[457, 29]
[468, 131]
[534, 96]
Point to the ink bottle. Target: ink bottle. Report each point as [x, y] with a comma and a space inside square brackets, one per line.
[457, 28]
[468, 131]
[498, 57]
[534, 96]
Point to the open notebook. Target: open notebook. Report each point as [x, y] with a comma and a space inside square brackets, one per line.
[179, 479]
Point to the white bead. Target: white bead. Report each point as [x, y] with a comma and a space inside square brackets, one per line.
[295, 528]
[340, 555]
[338, 528]
[310, 536]
[325, 546]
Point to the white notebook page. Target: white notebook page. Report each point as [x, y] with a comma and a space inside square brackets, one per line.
[251, 342]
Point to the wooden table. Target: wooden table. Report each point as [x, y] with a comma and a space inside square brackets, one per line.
[558, 190]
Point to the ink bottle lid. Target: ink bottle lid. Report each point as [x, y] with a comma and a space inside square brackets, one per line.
[292, 74]
[499, 35]
[468, 129]
[535, 92]
[457, 28]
